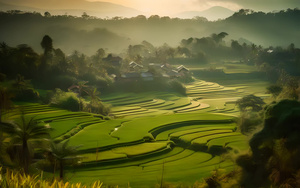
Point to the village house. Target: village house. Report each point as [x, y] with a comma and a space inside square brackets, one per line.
[114, 61]
[133, 66]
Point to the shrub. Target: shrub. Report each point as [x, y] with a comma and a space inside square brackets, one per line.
[46, 99]
[65, 100]
[250, 121]
[98, 108]
[176, 86]
[275, 90]
[70, 103]
[28, 94]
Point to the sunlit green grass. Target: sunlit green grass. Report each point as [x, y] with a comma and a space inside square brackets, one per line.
[141, 148]
[199, 137]
[96, 135]
[138, 128]
[190, 167]
[222, 142]
[62, 126]
[207, 129]
[102, 156]
[203, 140]
[239, 145]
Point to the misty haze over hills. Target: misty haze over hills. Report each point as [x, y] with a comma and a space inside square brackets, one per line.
[115, 34]
[109, 10]
[89, 34]
[211, 14]
[98, 9]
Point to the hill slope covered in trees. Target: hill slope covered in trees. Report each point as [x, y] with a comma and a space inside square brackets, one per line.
[87, 34]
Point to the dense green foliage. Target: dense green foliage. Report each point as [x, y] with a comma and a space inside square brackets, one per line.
[24, 136]
[250, 102]
[275, 149]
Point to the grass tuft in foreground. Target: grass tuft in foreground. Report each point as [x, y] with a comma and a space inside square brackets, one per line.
[15, 179]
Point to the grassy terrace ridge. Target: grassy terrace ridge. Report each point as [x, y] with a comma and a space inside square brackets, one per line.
[96, 135]
[203, 140]
[191, 166]
[138, 128]
[126, 151]
[203, 128]
[59, 127]
[224, 141]
[165, 135]
[125, 131]
[189, 138]
[202, 96]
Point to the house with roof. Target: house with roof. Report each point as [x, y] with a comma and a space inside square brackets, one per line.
[133, 66]
[114, 61]
[182, 69]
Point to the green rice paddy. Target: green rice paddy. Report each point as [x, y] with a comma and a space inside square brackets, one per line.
[150, 134]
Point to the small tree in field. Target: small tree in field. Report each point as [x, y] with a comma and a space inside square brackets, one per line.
[275, 90]
[250, 102]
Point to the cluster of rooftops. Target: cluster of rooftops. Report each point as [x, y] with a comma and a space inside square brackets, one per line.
[153, 70]
[136, 71]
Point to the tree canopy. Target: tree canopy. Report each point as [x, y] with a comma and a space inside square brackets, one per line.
[250, 102]
[275, 158]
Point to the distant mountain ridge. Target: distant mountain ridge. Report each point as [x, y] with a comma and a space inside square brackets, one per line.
[98, 9]
[101, 9]
[211, 14]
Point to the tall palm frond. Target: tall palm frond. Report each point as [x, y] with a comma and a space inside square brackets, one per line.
[23, 134]
[64, 155]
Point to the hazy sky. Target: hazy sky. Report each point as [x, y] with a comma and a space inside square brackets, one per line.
[167, 7]
[175, 6]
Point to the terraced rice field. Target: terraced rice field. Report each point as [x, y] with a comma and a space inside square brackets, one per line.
[150, 134]
[201, 97]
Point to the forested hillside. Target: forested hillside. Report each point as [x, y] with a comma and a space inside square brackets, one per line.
[87, 34]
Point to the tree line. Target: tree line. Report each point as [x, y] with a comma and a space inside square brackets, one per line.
[88, 34]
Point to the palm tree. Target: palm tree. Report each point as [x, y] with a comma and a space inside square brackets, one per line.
[81, 87]
[5, 102]
[94, 96]
[23, 135]
[96, 105]
[63, 155]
